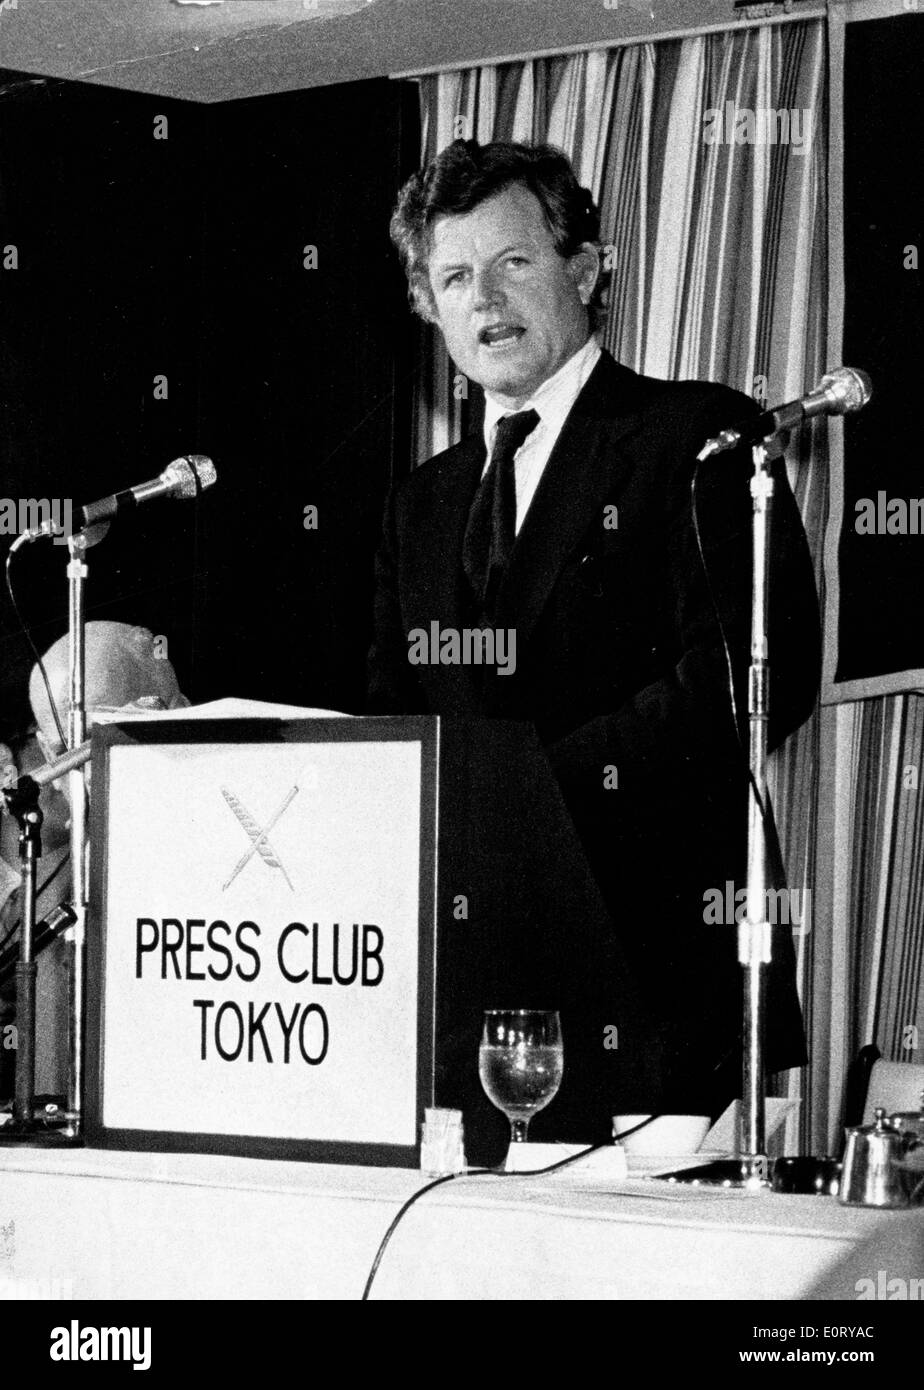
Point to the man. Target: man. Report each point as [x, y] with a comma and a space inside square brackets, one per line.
[124, 670]
[571, 527]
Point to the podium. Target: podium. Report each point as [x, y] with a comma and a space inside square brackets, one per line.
[296, 926]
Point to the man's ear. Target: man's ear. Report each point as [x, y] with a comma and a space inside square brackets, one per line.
[426, 306]
[584, 267]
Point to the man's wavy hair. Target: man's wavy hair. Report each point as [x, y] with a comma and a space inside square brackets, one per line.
[464, 175]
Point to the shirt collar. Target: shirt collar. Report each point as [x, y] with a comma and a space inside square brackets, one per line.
[554, 398]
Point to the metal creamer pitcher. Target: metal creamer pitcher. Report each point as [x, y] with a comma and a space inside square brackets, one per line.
[873, 1174]
[910, 1123]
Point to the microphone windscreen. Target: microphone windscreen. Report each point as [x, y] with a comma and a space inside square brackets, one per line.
[182, 474]
[851, 388]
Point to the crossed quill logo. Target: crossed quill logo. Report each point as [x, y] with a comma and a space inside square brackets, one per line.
[258, 835]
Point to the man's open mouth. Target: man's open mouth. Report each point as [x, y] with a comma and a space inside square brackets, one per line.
[500, 333]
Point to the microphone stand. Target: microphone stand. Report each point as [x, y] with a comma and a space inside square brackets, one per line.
[75, 937]
[185, 477]
[23, 802]
[751, 1169]
[62, 916]
[754, 933]
[23, 1128]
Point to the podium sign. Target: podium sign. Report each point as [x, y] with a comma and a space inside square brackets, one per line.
[261, 945]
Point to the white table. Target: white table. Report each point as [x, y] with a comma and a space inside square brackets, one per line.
[103, 1225]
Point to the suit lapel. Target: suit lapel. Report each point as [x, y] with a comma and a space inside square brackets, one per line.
[441, 587]
[584, 467]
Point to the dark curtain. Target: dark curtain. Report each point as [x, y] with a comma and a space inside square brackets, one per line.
[157, 302]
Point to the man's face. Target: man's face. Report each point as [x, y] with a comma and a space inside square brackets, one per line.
[511, 309]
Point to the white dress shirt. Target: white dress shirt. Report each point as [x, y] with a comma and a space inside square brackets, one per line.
[552, 402]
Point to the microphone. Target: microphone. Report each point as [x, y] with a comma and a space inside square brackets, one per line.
[841, 392]
[57, 921]
[50, 772]
[184, 477]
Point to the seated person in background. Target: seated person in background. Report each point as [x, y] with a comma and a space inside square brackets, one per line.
[124, 671]
[24, 756]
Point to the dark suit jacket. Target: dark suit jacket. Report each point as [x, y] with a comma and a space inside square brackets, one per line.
[620, 665]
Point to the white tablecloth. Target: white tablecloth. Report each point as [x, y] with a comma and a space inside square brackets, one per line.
[104, 1225]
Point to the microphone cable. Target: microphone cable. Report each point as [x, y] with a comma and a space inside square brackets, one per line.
[726, 648]
[14, 927]
[32, 647]
[484, 1173]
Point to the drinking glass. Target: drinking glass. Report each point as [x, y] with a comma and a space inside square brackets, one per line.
[520, 1062]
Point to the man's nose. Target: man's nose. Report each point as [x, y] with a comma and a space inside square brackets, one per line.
[487, 290]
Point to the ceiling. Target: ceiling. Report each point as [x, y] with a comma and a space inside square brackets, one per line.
[199, 50]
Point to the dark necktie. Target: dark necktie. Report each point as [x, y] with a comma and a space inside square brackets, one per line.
[491, 529]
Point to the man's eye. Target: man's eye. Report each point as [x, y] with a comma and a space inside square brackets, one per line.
[452, 278]
[517, 260]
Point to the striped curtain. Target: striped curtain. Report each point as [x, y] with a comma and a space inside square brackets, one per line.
[887, 871]
[718, 259]
[870, 930]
